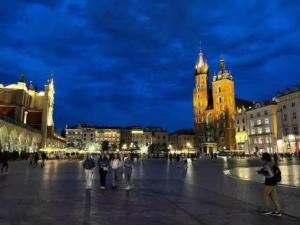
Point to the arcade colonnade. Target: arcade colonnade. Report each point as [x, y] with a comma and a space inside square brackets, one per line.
[16, 138]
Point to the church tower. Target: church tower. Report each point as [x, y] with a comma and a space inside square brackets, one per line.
[200, 98]
[47, 117]
[224, 106]
[200, 93]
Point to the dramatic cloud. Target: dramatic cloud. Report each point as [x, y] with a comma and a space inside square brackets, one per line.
[131, 62]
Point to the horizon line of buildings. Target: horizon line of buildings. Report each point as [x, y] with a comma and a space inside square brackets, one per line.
[90, 137]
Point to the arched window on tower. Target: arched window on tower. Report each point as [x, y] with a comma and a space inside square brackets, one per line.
[220, 99]
[219, 89]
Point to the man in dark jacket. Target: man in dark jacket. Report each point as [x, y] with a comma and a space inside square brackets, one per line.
[270, 189]
[103, 164]
[88, 165]
[4, 162]
[44, 156]
[36, 159]
[1, 154]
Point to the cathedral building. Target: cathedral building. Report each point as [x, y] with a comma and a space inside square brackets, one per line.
[214, 108]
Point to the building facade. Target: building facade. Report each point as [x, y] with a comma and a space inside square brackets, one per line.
[23, 104]
[241, 131]
[262, 127]
[74, 136]
[182, 141]
[214, 108]
[288, 117]
[112, 135]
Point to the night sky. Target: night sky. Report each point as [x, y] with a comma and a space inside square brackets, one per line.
[120, 62]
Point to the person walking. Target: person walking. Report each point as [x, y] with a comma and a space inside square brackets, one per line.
[103, 164]
[115, 165]
[30, 160]
[1, 155]
[272, 175]
[44, 157]
[36, 159]
[4, 168]
[128, 164]
[88, 165]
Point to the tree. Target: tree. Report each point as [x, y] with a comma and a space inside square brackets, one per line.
[114, 147]
[105, 146]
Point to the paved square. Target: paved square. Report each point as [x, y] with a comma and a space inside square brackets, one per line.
[163, 194]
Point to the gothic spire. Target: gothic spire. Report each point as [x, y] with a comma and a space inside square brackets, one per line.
[31, 87]
[22, 78]
[222, 64]
[201, 66]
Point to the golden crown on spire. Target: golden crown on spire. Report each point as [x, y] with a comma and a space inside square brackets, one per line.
[201, 66]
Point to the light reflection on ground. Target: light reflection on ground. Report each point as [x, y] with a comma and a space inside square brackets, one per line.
[290, 174]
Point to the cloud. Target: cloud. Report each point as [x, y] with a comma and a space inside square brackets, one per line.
[122, 62]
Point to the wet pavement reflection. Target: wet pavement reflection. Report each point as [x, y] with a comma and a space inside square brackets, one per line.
[290, 174]
[163, 192]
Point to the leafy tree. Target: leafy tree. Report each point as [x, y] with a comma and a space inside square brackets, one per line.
[114, 147]
[105, 146]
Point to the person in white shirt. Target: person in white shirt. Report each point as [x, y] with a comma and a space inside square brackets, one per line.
[88, 165]
[115, 166]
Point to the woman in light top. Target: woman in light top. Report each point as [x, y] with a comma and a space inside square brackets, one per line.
[115, 166]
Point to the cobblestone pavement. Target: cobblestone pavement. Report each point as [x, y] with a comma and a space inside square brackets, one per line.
[163, 193]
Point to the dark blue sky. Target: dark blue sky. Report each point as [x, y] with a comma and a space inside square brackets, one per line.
[120, 62]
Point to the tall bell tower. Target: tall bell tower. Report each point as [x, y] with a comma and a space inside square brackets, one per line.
[224, 106]
[200, 93]
[48, 105]
[200, 97]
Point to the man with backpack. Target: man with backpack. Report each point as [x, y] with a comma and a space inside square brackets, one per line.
[272, 175]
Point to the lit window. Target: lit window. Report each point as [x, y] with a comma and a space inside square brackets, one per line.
[267, 121]
[258, 122]
[251, 123]
[294, 115]
[259, 130]
[268, 130]
[260, 140]
[252, 131]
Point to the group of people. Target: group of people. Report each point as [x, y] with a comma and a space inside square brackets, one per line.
[34, 158]
[4, 161]
[113, 164]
